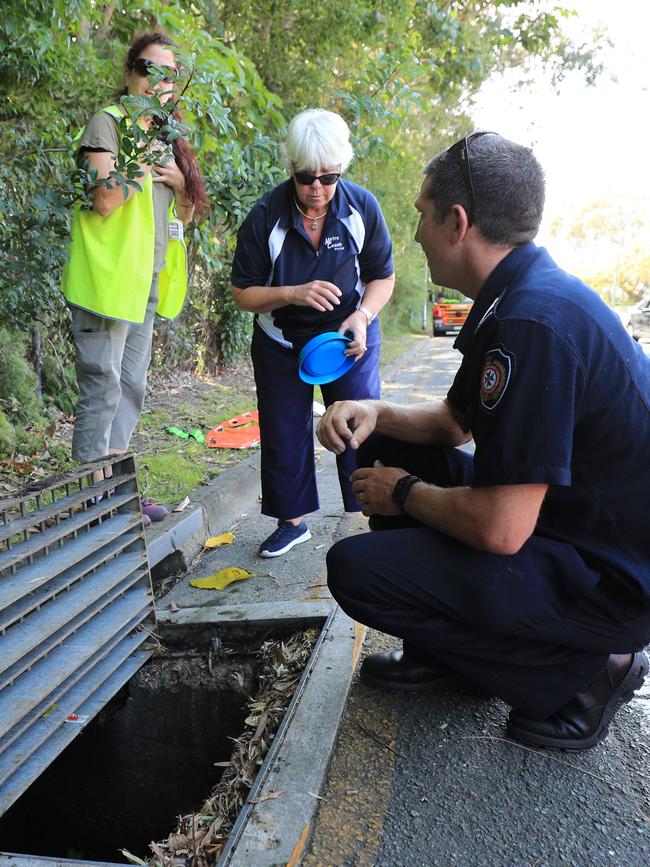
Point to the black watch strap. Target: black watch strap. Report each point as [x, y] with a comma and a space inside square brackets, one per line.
[402, 490]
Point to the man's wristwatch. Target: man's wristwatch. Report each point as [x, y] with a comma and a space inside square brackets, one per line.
[368, 314]
[402, 490]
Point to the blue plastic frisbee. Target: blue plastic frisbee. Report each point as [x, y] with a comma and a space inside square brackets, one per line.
[322, 360]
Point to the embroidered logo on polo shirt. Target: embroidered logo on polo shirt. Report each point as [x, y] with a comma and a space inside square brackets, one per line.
[334, 243]
[495, 376]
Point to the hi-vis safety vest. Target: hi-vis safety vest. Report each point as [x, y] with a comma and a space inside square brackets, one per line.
[110, 259]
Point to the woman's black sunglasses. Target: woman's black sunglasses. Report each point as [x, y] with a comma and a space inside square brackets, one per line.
[142, 67]
[306, 179]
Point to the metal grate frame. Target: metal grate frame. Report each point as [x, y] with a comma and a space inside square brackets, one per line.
[76, 605]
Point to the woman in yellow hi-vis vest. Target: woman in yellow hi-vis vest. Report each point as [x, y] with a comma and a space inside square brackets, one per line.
[126, 262]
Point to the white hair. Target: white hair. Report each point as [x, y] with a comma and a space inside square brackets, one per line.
[317, 139]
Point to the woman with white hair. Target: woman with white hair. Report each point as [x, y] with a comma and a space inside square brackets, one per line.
[313, 255]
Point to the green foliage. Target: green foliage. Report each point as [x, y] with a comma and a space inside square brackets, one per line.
[402, 77]
[7, 435]
[18, 398]
[59, 383]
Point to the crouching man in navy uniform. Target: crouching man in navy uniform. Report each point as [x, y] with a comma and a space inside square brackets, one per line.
[525, 569]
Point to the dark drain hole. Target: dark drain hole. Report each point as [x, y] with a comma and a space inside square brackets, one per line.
[146, 759]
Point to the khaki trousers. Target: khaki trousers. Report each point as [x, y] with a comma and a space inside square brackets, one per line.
[112, 359]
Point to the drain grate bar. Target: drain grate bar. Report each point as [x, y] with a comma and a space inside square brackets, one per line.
[76, 606]
[58, 666]
[53, 624]
[51, 701]
[44, 539]
[21, 598]
[30, 767]
[29, 740]
[82, 500]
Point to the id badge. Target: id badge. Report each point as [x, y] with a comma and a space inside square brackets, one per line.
[175, 230]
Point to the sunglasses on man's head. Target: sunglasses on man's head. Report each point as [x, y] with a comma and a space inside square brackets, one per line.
[460, 151]
[142, 67]
[306, 179]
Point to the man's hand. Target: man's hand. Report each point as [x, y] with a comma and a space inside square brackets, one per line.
[346, 422]
[319, 294]
[374, 487]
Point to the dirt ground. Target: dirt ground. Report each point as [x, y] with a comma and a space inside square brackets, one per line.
[168, 467]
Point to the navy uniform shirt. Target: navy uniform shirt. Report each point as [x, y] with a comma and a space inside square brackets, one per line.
[273, 249]
[555, 391]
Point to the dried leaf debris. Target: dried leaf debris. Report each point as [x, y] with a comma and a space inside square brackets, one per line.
[200, 837]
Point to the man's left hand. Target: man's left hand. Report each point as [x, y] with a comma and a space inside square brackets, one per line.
[374, 487]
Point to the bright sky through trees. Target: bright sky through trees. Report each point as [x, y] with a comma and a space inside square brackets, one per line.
[593, 141]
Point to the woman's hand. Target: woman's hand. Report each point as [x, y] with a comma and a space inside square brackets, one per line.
[357, 323]
[347, 422]
[318, 294]
[167, 172]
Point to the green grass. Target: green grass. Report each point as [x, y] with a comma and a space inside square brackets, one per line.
[169, 476]
[170, 468]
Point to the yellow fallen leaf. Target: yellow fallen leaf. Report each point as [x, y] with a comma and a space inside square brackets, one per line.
[219, 541]
[222, 578]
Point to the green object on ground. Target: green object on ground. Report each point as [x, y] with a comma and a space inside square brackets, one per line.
[197, 434]
[178, 433]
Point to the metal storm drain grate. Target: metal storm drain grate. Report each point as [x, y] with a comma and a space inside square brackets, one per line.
[75, 607]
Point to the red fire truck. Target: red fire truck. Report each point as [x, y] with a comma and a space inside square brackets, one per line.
[449, 315]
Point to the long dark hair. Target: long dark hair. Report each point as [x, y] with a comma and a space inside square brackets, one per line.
[183, 154]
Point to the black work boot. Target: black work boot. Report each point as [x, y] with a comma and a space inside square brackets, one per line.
[404, 671]
[584, 720]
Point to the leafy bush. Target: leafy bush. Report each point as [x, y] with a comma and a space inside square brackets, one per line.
[18, 396]
[403, 81]
[7, 435]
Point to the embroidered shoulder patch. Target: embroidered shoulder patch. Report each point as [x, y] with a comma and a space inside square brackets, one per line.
[495, 376]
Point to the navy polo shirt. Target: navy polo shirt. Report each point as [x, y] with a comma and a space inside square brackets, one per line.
[555, 391]
[273, 249]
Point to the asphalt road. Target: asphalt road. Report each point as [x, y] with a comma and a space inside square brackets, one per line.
[431, 780]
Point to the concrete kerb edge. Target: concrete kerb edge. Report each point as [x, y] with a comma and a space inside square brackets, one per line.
[276, 823]
[277, 829]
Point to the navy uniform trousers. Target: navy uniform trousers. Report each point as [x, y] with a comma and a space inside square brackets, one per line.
[533, 628]
[285, 405]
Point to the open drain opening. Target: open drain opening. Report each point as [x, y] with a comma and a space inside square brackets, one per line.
[145, 770]
[146, 759]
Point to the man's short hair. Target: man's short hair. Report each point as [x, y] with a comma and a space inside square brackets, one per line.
[508, 188]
